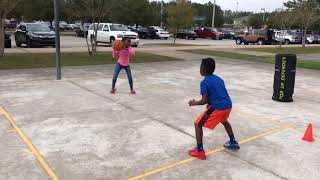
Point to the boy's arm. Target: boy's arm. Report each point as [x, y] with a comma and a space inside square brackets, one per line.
[203, 101]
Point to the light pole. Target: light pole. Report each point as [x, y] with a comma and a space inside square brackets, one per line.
[264, 12]
[237, 7]
[213, 13]
[57, 29]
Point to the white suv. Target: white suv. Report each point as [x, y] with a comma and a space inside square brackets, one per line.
[108, 32]
[161, 34]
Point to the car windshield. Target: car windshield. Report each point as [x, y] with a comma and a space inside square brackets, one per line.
[295, 33]
[214, 30]
[118, 27]
[38, 28]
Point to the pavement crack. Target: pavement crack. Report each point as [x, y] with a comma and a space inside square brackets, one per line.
[131, 108]
[256, 165]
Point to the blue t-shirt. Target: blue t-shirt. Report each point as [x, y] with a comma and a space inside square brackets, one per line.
[218, 97]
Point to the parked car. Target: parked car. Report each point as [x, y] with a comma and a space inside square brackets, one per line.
[288, 37]
[142, 32]
[187, 34]
[260, 37]
[69, 27]
[7, 42]
[310, 39]
[11, 24]
[317, 39]
[160, 33]
[34, 34]
[208, 33]
[81, 29]
[228, 34]
[108, 32]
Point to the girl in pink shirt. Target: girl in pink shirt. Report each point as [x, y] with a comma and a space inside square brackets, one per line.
[123, 57]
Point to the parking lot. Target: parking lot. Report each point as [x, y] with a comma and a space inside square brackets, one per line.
[80, 131]
[73, 41]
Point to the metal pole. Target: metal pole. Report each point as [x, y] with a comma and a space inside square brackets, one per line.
[57, 29]
[213, 13]
[161, 23]
[264, 12]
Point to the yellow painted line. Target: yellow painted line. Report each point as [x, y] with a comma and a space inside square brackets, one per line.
[219, 149]
[1, 111]
[31, 147]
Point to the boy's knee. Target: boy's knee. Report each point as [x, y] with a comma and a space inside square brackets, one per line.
[225, 123]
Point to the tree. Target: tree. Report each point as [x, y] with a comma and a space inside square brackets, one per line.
[283, 19]
[180, 15]
[94, 11]
[307, 13]
[133, 12]
[6, 6]
[205, 11]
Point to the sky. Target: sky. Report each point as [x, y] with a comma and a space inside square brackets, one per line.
[245, 5]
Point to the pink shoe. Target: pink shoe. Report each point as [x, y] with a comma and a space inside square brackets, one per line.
[113, 91]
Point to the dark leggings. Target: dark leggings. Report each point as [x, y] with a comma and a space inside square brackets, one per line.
[117, 70]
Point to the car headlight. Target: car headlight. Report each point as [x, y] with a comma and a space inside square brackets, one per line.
[120, 36]
[34, 35]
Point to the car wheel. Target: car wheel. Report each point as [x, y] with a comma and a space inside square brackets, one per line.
[286, 42]
[238, 41]
[260, 42]
[194, 38]
[18, 44]
[135, 46]
[165, 38]
[92, 40]
[112, 39]
[187, 37]
[307, 42]
[7, 45]
[246, 43]
[29, 43]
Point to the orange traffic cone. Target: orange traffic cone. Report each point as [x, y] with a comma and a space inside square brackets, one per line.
[308, 136]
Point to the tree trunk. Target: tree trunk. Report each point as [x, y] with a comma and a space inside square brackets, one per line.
[2, 37]
[304, 38]
[94, 48]
[88, 45]
[175, 36]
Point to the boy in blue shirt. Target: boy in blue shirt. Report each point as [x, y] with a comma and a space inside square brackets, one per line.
[219, 105]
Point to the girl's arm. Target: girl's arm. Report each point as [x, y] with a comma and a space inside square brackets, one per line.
[115, 54]
[131, 51]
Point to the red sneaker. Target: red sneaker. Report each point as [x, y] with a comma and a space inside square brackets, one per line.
[195, 153]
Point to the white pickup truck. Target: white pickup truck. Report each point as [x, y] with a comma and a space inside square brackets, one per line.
[288, 37]
[108, 32]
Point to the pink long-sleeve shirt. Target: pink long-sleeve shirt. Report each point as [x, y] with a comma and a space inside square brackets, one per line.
[124, 55]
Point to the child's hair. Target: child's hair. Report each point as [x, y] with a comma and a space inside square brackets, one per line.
[209, 64]
[125, 38]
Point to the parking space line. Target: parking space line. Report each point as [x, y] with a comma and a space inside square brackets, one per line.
[219, 149]
[29, 144]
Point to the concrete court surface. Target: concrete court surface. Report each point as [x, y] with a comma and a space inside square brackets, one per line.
[82, 132]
